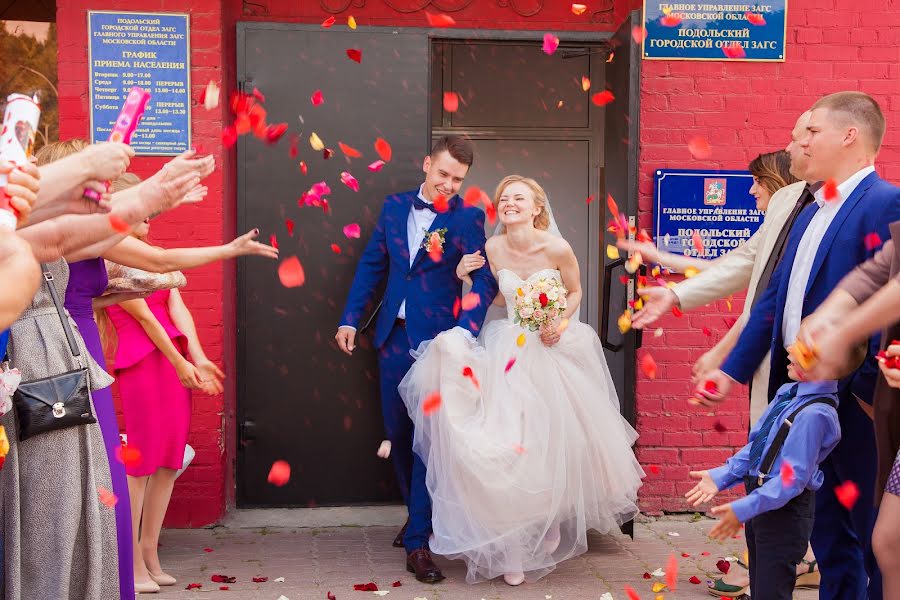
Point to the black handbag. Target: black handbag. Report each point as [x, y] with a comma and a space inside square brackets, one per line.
[58, 401]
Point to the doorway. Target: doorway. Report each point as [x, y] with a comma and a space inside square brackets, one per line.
[299, 399]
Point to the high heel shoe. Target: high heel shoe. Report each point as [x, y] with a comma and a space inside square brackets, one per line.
[146, 587]
[514, 579]
[163, 579]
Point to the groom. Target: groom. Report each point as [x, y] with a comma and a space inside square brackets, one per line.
[418, 241]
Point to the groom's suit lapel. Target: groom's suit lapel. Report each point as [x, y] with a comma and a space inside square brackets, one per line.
[400, 235]
[440, 221]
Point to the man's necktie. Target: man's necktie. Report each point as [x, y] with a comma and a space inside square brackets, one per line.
[778, 249]
[759, 442]
[420, 204]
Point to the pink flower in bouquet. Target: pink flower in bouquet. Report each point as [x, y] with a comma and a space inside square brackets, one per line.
[539, 315]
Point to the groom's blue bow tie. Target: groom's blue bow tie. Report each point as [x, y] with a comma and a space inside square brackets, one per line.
[420, 204]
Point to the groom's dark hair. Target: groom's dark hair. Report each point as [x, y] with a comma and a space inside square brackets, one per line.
[459, 148]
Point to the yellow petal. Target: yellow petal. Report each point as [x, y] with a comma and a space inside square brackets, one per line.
[670, 284]
[691, 271]
[520, 292]
[585, 83]
[520, 341]
[351, 22]
[660, 597]
[656, 271]
[625, 322]
[612, 252]
[639, 304]
[658, 587]
[316, 142]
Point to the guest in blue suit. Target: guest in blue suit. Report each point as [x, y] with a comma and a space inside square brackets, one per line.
[419, 239]
[841, 229]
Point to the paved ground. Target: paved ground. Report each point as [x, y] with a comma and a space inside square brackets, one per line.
[314, 561]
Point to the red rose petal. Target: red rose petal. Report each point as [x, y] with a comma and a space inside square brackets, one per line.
[330, 596]
[352, 230]
[335, 248]
[259, 96]
[654, 469]
[468, 373]
[872, 241]
[632, 595]
[274, 132]
[704, 554]
[509, 365]
[431, 403]
[451, 102]
[829, 190]
[349, 150]
[207, 549]
[847, 494]
[711, 387]
[383, 148]
[260, 579]
[734, 50]
[224, 588]
[647, 575]
[685, 555]
[602, 98]
[290, 226]
[317, 98]
[677, 311]
[128, 456]
[223, 579]
[396, 584]
[354, 54]
[670, 21]
[193, 586]
[695, 580]
[280, 473]
[107, 498]
[365, 587]
[718, 426]
[290, 272]
[439, 20]
[118, 224]
[672, 572]
[456, 306]
[470, 301]
[229, 136]
[327, 23]
[441, 203]
[648, 365]
[699, 148]
[638, 33]
[273, 241]
[755, 18]
[787, 474]
[724, 566]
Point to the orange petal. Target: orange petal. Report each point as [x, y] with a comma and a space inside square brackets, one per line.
[383, 148]
[290, 272]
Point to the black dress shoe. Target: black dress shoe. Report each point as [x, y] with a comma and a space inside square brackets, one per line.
[419, 562]
[398, 541]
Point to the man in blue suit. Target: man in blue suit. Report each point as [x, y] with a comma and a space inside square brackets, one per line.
[419, 239]
[832, 235]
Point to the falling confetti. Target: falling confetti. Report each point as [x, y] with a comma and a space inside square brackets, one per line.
[432, 403]
[672, 572]
[551, 43]
[734, 50]
[351, 22]
[658, 332]
[470, 301]
[350, 181]
[317, 98]
[872, 241]
[473, 196]
[354, 54]
[707, 331]
[280, 473]
[658, 573]
[107, 498]
[658, 587]
[208, 550]
[648, 365]
[470, 374]
[787, 474]
[349, 151]
[520, 341]
[328, 22]
[303, 167]
[585, 83]
[383, 148]
[289, 223]
[376, 166]
[624, 322]
[316, 142]
[632, 595]
[439, 20]
[719, 426]
[128, 456]
[118, 224]
[209, 97]
[229, 136]
[578, 9]
[699, 148]
[451, 102]
[691, 272]
[274, 132]
[290, 272]
[612, 252]
[755, 18]
[647, 575]
[509, 365]
[602, 98]
[670, 21]
[441, 203]
[638, 34]
[847, 494]
[352, 230]
[589, 199]
[335, 248]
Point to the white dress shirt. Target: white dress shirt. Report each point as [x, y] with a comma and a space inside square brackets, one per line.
[417, 224]
[807, 250]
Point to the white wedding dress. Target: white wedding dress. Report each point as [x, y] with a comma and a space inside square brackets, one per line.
[533, 453]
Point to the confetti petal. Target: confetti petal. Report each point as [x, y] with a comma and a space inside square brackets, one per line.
[210, 96]
[350, 181]
[193, 586]
[354, 54]
[647, 575]
[670, 21]
[589, 199]
[396, 584]
[260, 579]
[439, 20]
[585, 83]
[723, 565]
[658, 587]
[432, 403]
[612, 252]
[473, 196]
[755, 18]
[509, 365]
[383, 148]
[352, 230]
[129, 456]
[672, 572]
[847, 494]
[520, 341]
[734, 50]
[602, 98]
[695, 580]
[349, 151]
[699, 148]
[624, 322]
[327, 23]
[107, 498]
[289, 224]
[351, 22]
[632, 595]
[551, 43]
[658, 573]
[719, 426]
[223, 579]
[376, 166]
[317, 98]
[274, 132]
[578, 9]
[451, 102]
[118, 224]
[787, 474]
[441, 203]
[470, 301]
[208, 550]
[872, 241]
[316, 142]
[280, 473]
[290, 272]
[638, 34]
[229, 136]
[648, 365]
[470, 375]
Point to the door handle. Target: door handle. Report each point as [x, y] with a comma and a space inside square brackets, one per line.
[607, 291]
[247, 432]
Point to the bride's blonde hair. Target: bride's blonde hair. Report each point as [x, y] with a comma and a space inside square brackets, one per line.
[542, 219]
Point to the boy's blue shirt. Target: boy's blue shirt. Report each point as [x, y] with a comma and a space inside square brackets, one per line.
[814, 433]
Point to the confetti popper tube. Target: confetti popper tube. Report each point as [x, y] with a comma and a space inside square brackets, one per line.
[20, 121]
[126, 123]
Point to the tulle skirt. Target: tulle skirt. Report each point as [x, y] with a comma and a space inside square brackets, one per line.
[527, 450]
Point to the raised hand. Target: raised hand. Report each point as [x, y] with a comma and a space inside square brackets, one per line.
[657, 302]
[713, 389]
[705, 490]
[105, 161]
[246, 245]
[469, 263]
[160, 194]
[196, 194]
[728, 526]
[648, 251]
[710, 361]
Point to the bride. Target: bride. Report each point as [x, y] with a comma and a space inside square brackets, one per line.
[521, 434]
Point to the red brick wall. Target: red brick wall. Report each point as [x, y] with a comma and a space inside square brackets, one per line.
[201, 492]
[743, 109]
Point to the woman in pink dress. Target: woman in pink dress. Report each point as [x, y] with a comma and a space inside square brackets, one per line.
[158, 361]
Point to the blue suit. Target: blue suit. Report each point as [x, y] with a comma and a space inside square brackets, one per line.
[433, 304]
[841, 539]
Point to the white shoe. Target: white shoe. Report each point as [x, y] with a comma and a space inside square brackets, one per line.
[146, 587]
[552, 539]
[514, 579]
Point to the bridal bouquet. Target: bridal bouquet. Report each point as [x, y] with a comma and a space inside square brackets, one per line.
[540, 303]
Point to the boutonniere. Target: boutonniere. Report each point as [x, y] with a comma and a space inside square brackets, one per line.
[434, 242]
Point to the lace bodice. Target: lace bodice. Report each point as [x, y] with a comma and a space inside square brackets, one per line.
[509, 282]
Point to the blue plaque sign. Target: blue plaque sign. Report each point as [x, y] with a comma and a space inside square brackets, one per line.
[716, 204]
[715, 30]
[150, 51]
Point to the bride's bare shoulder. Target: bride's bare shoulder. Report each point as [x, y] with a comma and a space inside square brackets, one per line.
[495, 242]
[557, 247]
